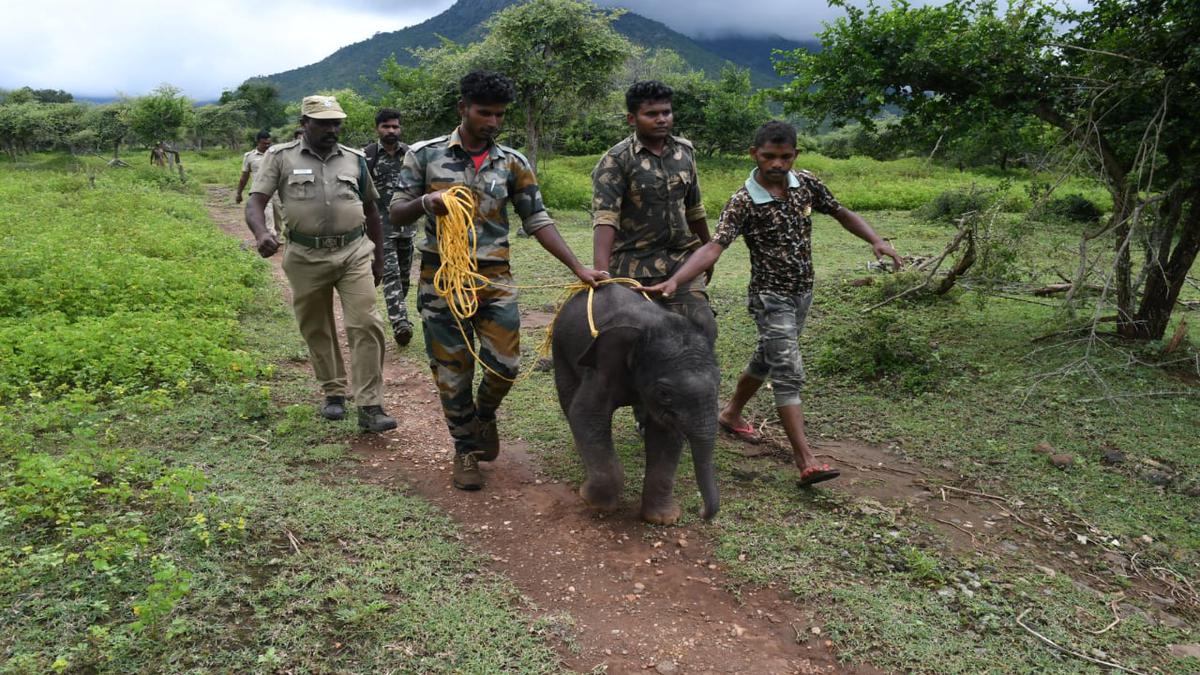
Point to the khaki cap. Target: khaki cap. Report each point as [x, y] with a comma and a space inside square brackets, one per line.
[321, 108]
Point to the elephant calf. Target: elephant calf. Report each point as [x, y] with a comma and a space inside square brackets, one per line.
[655, 360]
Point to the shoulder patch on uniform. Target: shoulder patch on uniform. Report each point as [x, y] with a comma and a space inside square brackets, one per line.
[427, 142]
[683, 141]
[355, 151]
[283, 146]
[621, 147]
[512, 151]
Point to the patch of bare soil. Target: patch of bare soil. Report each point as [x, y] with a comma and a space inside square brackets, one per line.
[619, 599]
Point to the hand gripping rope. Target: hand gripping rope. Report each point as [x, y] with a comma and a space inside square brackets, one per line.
[458, 280]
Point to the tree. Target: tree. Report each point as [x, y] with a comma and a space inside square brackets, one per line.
[224, 122]
[261, 100]
[558, 53]
[111, 124]
[731, 114]
[161, 115]
[1118, 80]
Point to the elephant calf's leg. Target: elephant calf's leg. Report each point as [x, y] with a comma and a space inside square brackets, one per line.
[591, 425]
[663, 448]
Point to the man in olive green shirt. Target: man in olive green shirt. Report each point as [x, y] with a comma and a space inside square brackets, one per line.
[327, 194]
[647, 214]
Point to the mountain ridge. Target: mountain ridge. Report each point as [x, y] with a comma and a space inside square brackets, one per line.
[356, 65]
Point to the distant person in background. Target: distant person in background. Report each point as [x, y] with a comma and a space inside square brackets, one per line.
[250, 163]
[384, 159]
[335, 244]
[771, 212]
[158, 155]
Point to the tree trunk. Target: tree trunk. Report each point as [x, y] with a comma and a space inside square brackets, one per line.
[532, 135]
[1163, 284]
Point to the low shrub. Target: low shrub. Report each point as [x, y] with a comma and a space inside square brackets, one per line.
[887, 344]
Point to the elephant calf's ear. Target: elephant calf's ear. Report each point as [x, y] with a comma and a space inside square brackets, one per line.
[620, 339]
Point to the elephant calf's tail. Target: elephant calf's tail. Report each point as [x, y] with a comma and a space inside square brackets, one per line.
[708, 485]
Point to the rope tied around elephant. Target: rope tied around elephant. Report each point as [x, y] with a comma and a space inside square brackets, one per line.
[458, 281]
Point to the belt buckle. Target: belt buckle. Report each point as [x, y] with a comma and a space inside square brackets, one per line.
[330, 242]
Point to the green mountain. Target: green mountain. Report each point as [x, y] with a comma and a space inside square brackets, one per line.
[357, 65]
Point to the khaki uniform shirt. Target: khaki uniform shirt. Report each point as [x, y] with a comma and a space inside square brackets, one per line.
[251, 160]
[321, 197]
[505, 178]
[649, 199]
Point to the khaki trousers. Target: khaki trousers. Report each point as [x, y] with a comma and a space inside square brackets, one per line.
[314, 274]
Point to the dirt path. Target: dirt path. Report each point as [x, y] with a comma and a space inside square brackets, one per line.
[635, 603]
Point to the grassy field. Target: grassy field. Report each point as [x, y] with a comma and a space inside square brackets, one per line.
[164, 506]
[158, 452]
[968, 385]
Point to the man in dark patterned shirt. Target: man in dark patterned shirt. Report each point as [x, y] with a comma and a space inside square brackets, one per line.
[647, 214]
[772, 212]
[384, 159]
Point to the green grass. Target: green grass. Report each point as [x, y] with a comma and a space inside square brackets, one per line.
[983, 405]
[860, 183]
[169, 500]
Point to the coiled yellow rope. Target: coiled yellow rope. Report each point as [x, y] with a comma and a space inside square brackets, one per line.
[457, 279]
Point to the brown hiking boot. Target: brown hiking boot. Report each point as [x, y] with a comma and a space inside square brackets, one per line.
[466, 471]
[487, 438]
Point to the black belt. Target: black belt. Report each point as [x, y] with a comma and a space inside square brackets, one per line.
[328, 241]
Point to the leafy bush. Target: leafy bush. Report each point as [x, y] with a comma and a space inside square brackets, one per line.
[953, 204]
[1071, 208]
[884, 345]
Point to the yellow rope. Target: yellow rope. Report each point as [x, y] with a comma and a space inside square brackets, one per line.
[458, 280]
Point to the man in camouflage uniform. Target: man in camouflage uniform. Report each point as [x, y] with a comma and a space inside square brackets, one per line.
[328, 197]
[250, 162]
[384, 159]
[646, 210]
[498, 176]
[772, 211]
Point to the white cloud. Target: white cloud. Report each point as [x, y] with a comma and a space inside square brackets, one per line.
[131, 46]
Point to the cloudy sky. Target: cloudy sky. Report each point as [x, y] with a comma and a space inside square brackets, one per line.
[93, 48]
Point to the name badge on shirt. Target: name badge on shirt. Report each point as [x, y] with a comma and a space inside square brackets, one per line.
[301, 172]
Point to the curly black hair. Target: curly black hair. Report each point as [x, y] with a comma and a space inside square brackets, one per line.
[775, 131]
[645, 92]
[386, 114]
[486, 87]
[262, 134]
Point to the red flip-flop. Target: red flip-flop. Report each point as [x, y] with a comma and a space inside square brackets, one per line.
[818, 474]
[746, 433]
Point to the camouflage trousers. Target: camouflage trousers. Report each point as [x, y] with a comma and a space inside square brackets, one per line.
[780, 320]
[397, 272]
[495, 328]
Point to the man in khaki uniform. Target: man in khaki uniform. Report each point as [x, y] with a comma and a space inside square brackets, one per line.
[250, 162]
[327, 194]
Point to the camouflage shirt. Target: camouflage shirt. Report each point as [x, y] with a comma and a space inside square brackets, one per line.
[778, 232]
[386, 173]
[504, 178]
[649, 199]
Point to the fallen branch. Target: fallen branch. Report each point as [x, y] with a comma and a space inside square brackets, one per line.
[965, 491]
[960, 529]
[1076, 654]
[1116, 620]
[292, 540]
[1026, 524]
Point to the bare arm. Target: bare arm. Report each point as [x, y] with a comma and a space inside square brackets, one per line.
[375, 232]
[699, 227]
[603, 237]
[553, 242]
[855, 225]
[241, 186]
[266, 242]
[703, 259]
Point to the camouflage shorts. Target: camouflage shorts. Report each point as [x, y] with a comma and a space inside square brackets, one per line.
[495, 329]
[780, 319]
